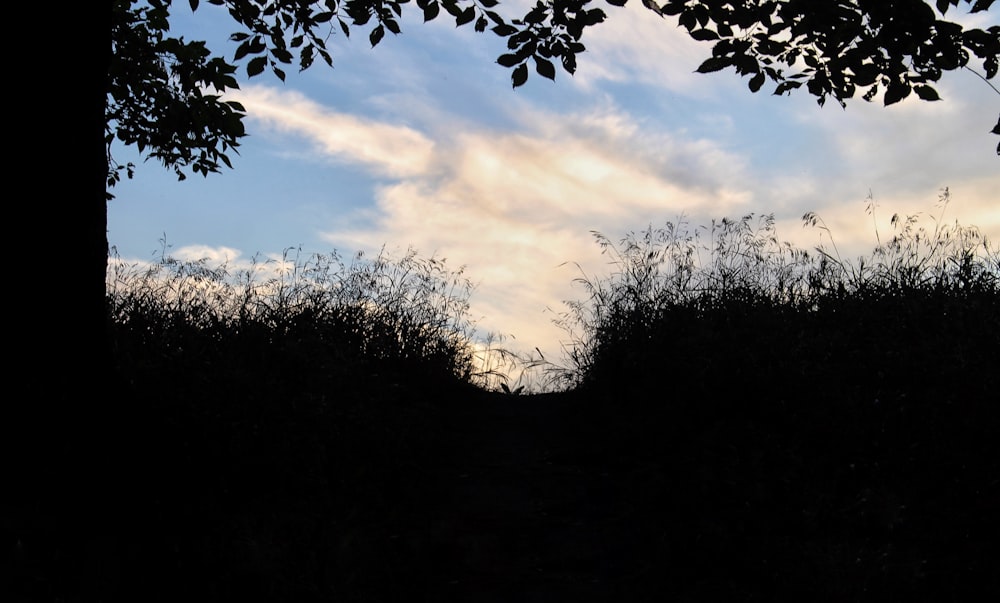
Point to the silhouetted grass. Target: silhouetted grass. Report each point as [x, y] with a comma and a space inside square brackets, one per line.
[825, 428]
[282, 414]
[733, 298]
[802, 425]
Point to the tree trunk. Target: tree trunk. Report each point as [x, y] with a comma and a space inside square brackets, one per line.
[62, 422]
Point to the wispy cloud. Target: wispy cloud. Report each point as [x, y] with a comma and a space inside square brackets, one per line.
[636, 46]
[385, 149]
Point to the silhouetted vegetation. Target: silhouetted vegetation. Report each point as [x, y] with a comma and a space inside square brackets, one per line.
[780, 422]
[825, 428]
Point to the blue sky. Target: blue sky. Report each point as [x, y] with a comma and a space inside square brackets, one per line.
[421, 142]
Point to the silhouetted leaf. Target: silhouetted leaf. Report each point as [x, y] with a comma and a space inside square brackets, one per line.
[376, 35]
[617, 2]
[481, 24]
[520, 75]
[786, 86]
[593, 17]
[996, 128]
[688, 20]
[282, 55]
[714, 64]
[670, 9]
[508, 60]
[896, 92]
[536, 15]
[756, 82]
[704, 35]
[256, 66]
[431, 11]
[504, 30]
[241, 51]
[926, 93]
[279, 73]
[545, 68]
[194, 4]
[466, 16]
[569, 62]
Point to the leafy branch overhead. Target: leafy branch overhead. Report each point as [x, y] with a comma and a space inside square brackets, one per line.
[158, 99]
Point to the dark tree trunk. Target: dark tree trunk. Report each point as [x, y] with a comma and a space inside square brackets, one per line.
[61, 421]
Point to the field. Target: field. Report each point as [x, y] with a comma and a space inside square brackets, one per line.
[739, 421]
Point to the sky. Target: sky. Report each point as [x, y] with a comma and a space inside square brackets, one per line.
[422, 143]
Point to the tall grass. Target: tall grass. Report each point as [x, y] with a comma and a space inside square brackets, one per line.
[681, 294]
[358, 320]
[282, 416]
[820, 427]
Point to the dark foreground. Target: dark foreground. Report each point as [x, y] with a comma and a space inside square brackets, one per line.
[461, 495]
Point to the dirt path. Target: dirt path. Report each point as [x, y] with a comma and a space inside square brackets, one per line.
[531, 508]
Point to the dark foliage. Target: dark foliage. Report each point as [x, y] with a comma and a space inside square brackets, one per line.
[768, 425]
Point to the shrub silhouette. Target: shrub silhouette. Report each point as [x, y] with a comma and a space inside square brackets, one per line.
[779, 422]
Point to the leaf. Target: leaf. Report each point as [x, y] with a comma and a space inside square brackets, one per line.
[996, 128]
[278, 72]
[714, 64]
[991, 64]
[520, 75]
[467, 16]
[569, 62]
[504, 30]
[672, 8]
[688, 20]
[282, 55]
[595, 16]
[896, 92]
[508, 60]
[617, 2]
[431, 11]
[536, 15]
[756, 82]
[194, 4]
[376, 35]
[545, 68]
[784, 87]
[242, 50]
[704, 35]
[746, 63]
[926, 93]
[481, 24]
[256, 66]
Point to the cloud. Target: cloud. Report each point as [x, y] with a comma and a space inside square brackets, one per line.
[636, 46]
[517, 207]
[385, 149]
